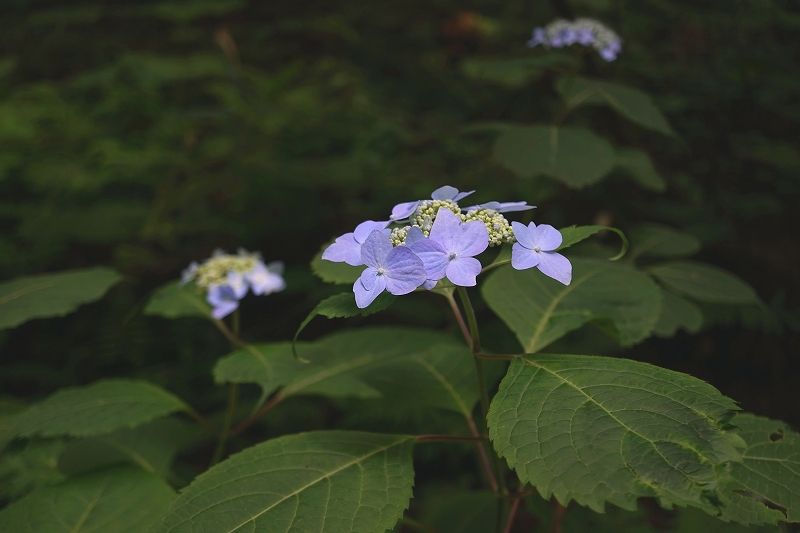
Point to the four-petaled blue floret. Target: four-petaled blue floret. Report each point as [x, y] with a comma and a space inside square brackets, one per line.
[535, 247]
[583, 31]
[347, 248]
[394, 269]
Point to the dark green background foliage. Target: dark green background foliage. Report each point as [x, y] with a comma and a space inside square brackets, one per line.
[142, 135]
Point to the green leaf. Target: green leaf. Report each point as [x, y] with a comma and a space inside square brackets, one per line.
[597, 429]
[330, 272]
[656, 240]
[95, 409]
[541, 310]
[120, 500]
[331, 481]
[33, 466]
[513, 72]
[704, 283]
[175, 301]
[575, 156]
[631, 103]
[29, 297]
[343, 306]
[575, 234]
[414, 366]
[677, 313]
[152, 447]
[637, 165]
[766, 484]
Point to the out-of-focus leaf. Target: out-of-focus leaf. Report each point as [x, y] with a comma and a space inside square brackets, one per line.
[95, 409]
[151, 446]
[332, 481]
[597, 429]
[574, 156]
[540, 310]
[575, 234]
[705, 283]
[677, 313]
[513, 72]
[339, 273]
[691, 520]
[33, 466]
[460, 512]
[120, 500]
[631, 103]
[656, 240]
[637, 165]
[174, 300]
[47, 295]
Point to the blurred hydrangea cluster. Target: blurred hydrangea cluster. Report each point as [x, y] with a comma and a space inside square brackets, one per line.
[435, 239]
[583, 31]
[226, 279]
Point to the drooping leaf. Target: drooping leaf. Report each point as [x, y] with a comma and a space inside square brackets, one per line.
[47, 295]
[95, 409]
[656, 240]
[331, 481]
[151, 446]
[637, 165]
[344, 306]
[575, 156]
[119, 500]
[513, 72]
[575, 234]
[677, 313]
[330, 272]
[704, 283]
[766, 484]
[174, 301]
[414, 366]
[631, 103]
[597, 430]
[540, 310]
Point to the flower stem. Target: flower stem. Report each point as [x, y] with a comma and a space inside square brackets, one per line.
[450, 438]
[512, 514]
[471, 320]
[226, 427]
[459, 318]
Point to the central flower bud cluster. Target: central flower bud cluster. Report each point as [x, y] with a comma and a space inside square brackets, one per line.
[499, 229]
[215, 270]
[425, 214]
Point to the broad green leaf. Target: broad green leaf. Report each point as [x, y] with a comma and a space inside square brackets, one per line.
[414, 366]
[513, 72]
[637, 165]
[331, 481]
[677, 313]
[174, 301]
[575, 156]
[656, 240]
[47, 295]
[330, 272]
[631, 103]
[152, 447]
[766, 484]
[597, 429]
[95, 409]
[119, 500]
[34, 465]
[344, 306]
[540, 310]
[575, 234]
[704, 283]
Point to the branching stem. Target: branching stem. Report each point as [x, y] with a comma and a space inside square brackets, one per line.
[226, 426]
[269, 404]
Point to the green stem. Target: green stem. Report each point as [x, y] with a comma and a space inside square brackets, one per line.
[471, 320]
[235, 323]
[226, 427]
[450, 438]
[202, 421]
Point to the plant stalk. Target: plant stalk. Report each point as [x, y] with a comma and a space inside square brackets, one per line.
[226, 427]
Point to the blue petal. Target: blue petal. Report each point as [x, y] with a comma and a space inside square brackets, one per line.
[375, 249]
[414, 235]
[404, 271]
[446, 229]
[345, 250]
[524, 234]
[224, 309]
[463, 271]
[473, 239]
[546, 237]
[555, 266]
[461, 195]
[363, 230]
[523, 258]
[237, 284]
[368, 278]
[433, 256]
[403, 211]
[444, 193]
[365, 297]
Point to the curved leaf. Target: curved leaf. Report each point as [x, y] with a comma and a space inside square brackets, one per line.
[541, 310]
[766, 486]
[637, 165]
[175, 301]
[95, 409]
[655, 240]
[575, 156]
[120, 500]
[331, 481]
[677, 313]
[631, 103]
[704, 283]
[597, 430]
[47, 295]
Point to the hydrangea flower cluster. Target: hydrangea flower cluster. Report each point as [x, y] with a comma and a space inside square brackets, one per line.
[227, 278]
[438, 240]
[583, 31]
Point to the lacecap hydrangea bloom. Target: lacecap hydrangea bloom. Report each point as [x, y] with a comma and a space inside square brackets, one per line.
[435, 239]
[226, 279]
[583, 31]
